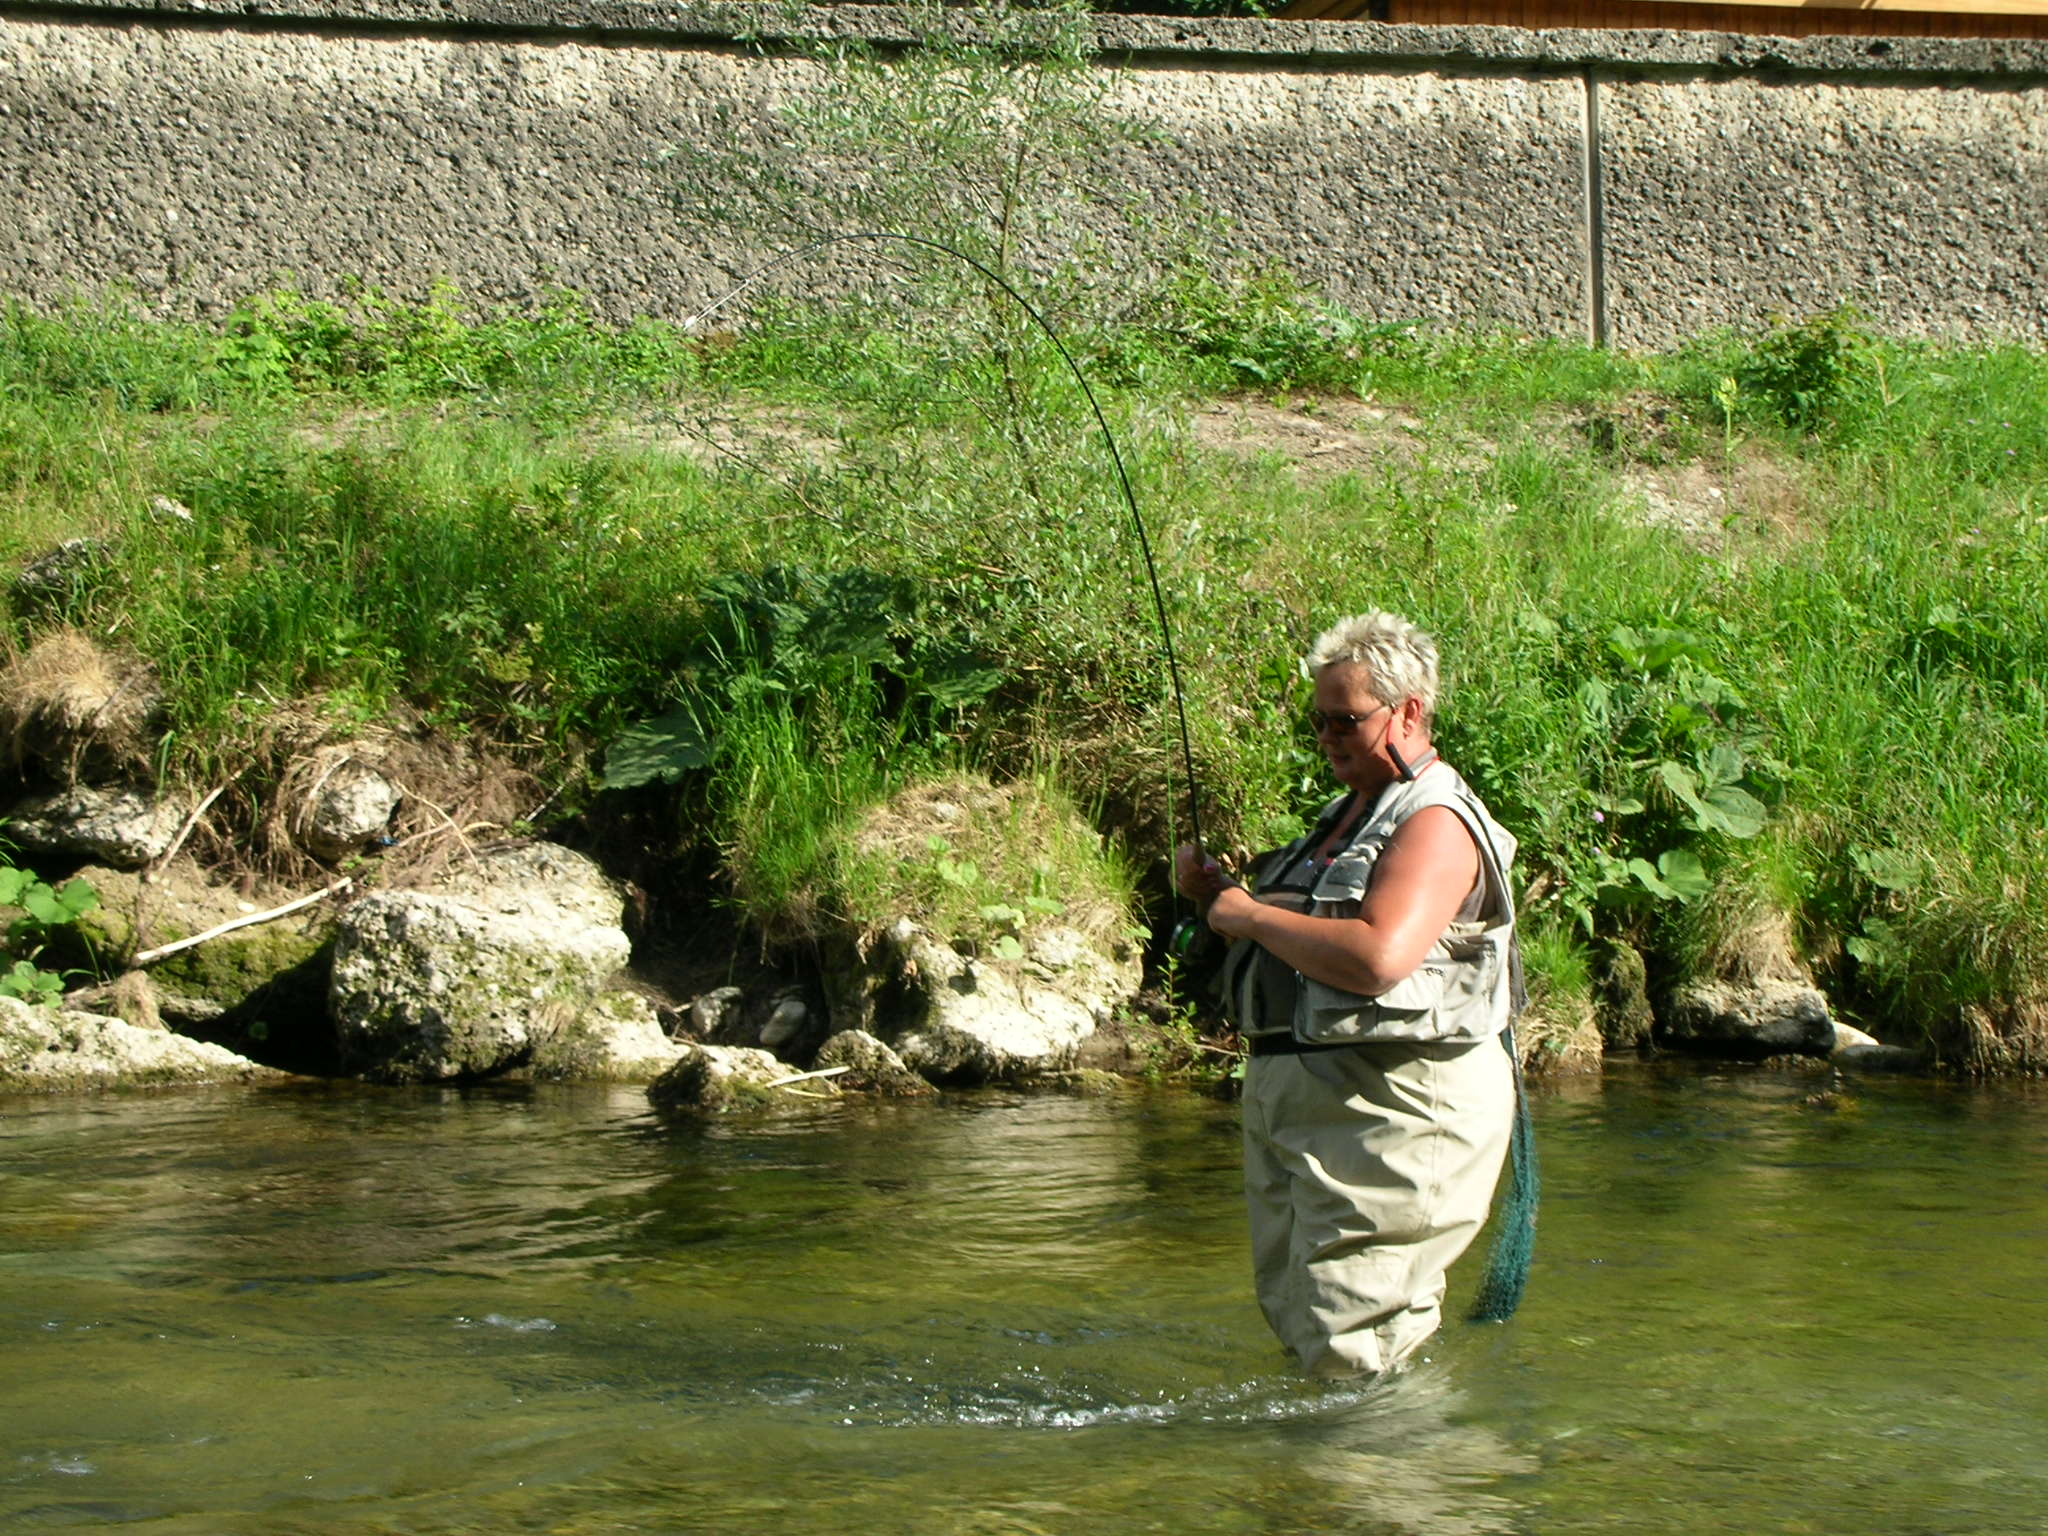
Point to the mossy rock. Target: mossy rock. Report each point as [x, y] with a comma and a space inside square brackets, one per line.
[1622, 998]
[179, 903]
[717, 1080]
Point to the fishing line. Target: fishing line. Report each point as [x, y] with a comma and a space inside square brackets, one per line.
[1123, 479]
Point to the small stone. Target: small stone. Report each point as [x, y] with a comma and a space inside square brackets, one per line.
[351, 806]
[712, 1079]
[1876, 1057]
[60, 571]
[710, 1012]
[785, 1022]
[875, 1068]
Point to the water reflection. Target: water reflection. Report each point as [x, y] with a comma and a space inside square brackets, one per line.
[1408, 1459]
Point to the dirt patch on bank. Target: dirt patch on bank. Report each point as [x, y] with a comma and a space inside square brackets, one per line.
[1756, 499]
[1320, 438]
[737, 435]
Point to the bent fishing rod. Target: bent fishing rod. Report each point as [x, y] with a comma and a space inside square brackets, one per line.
[1123, 479]
[1507, 1266]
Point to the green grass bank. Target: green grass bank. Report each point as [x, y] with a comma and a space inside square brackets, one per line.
[1743, 641]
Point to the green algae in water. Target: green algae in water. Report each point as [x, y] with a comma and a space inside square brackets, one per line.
[350, 1310]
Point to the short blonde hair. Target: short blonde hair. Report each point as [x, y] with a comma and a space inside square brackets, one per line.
[1399, 658]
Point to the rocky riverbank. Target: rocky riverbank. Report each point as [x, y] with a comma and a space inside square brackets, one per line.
[515, 958]
[461, 958]
[403, 938]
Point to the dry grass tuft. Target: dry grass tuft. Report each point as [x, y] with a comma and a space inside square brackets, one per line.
[1559, 1035]
[2007, 1038]
[78, 710]
[1759, 947]
[454, 795]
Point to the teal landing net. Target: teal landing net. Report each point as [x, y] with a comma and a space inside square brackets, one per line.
[1514, 1231]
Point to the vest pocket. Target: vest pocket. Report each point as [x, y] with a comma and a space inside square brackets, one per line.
[1328, 1015]
[1342, 885]
[1450, 996]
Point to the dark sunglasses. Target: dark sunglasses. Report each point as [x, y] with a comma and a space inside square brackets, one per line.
[1341, 724]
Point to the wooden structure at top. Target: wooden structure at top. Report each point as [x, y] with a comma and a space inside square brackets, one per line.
[1771, 18]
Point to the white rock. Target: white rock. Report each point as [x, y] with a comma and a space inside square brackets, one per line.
[1059, 949]
[351, 806]
[467, 979]
[985, 1021]
[50, 1050]
[124, 828]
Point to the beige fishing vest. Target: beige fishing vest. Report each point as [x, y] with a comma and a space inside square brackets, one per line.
[1462, 989]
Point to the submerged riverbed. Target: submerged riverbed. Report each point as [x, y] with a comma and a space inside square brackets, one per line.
[1757, 1306]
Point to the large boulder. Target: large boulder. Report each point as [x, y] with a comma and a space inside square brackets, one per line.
[52, 1050]
[1752, 994]
[1749, 1018]
[957, 1018]
[467, 978]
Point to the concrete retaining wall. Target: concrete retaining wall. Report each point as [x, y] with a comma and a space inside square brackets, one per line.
[1632, 187]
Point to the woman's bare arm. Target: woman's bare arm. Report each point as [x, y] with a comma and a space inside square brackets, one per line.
[1418, 884]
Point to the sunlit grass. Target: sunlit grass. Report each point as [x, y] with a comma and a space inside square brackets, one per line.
[506, 527]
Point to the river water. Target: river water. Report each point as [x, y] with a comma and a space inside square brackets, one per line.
[1758, 1306]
